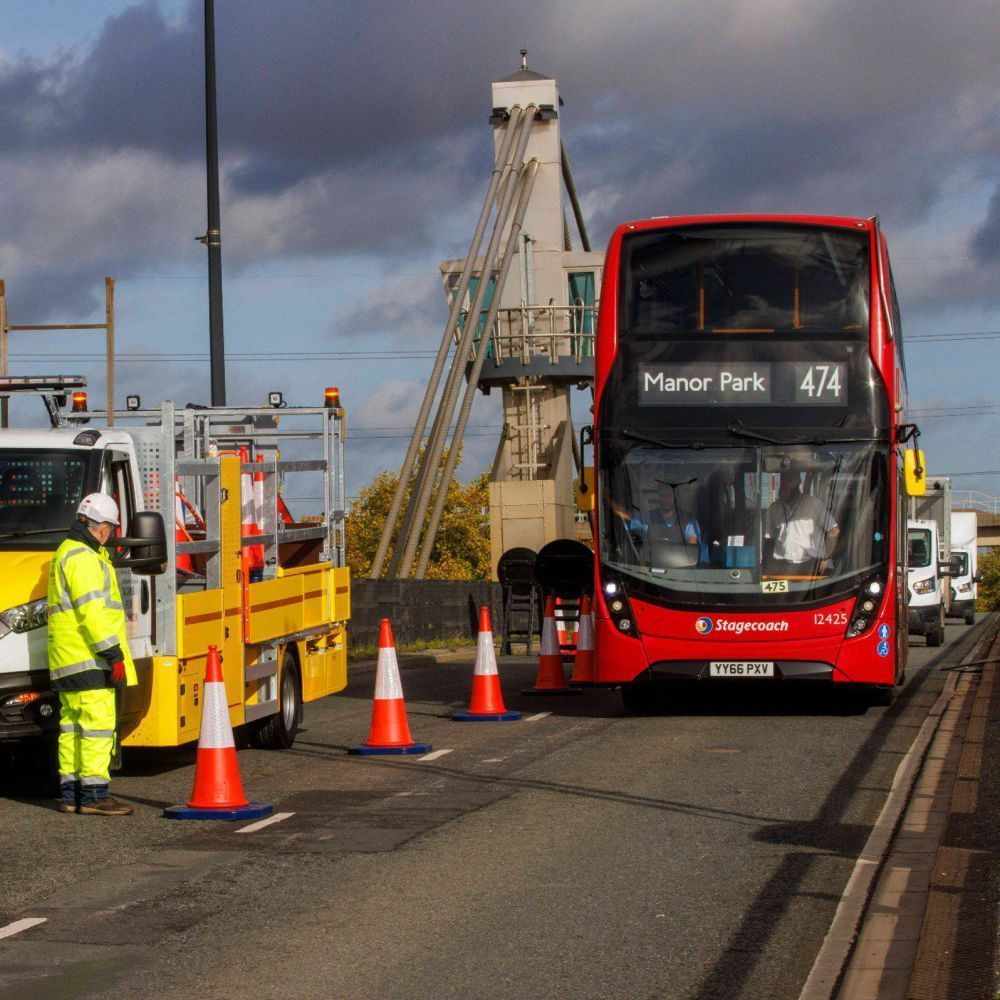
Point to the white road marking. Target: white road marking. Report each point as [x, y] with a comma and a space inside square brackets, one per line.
[434, 754]
[260, 824]
[535, 718]
[407, 795]
[21, 925]
[494, 760]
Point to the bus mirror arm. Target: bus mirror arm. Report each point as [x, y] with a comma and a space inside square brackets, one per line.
[586, 437]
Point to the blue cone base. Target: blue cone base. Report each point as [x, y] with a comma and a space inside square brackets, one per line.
[486, 717]
[253, 810]
[538, 692]
[363, 750]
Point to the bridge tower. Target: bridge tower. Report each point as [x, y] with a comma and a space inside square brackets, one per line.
[522, 312]
[543, 334]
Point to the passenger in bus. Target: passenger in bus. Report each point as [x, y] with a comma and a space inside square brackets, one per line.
[802, 531]
[665, 523]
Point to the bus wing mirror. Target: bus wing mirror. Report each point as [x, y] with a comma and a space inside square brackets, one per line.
[914, 472]
[585, 489]
[145, 549]
[585, 484]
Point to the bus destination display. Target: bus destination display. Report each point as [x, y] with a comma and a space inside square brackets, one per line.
[744, 383]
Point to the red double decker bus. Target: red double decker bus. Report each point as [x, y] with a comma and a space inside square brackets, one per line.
[748, 438]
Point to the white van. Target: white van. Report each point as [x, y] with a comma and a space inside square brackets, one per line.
[923, 577]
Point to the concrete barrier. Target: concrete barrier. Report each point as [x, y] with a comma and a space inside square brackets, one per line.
[420, 610]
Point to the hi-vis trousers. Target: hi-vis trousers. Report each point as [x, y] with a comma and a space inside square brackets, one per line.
[86, 742]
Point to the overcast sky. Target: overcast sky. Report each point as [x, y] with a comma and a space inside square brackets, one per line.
[355, 153]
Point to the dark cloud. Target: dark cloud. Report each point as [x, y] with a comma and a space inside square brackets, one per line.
[986, 242]
[350, 128]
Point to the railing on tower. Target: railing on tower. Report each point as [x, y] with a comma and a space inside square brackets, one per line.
[529, 332]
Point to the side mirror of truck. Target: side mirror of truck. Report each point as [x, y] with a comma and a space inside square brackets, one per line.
[954, 566]
[977, 577]
[145, 549]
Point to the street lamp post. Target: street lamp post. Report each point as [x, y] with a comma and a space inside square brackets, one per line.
[213, 237]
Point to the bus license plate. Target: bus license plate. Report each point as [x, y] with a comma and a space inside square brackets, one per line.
[740, 668]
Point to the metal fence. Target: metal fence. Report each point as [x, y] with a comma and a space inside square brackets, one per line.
[975, 500]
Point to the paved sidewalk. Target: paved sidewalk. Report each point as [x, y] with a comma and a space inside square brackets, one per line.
[957, 955]
[930, 930]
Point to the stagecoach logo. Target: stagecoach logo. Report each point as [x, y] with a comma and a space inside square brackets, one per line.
[705, 625]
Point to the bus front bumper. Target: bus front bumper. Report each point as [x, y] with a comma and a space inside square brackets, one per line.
[780, 670]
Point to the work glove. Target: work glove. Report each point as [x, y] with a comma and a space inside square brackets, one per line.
[118, 678]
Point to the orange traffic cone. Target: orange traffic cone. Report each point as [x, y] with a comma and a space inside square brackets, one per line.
[583, 662]
[252, 555]
[390, 732]
[486, 704]
[551, 679]
[218, 791]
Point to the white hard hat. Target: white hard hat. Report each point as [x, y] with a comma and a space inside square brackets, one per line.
[98, 507]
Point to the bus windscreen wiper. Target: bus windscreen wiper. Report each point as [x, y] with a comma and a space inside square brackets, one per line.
[737, 429]
[24, 533]
[660, 443]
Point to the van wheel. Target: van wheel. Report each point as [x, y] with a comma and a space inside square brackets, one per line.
[935, 636]
[278, 731]
[970, 617]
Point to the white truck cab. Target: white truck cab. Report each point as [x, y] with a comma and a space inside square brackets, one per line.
[44, 474]
[924, 581]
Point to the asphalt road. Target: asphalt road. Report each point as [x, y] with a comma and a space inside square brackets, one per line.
[700, 852]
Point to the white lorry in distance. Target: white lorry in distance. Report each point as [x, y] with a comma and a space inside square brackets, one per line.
[965, 570]
[924, 581]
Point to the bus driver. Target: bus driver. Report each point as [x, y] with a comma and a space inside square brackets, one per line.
[801, 528]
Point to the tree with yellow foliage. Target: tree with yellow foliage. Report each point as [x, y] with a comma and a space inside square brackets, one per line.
[462, 547]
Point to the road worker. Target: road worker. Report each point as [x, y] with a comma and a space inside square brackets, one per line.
[88, 657]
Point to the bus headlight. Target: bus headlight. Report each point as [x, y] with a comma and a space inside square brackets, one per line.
[24, 617]
[618, 605]
[866, 607]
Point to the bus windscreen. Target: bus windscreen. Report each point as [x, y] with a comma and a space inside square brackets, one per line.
[744, 278]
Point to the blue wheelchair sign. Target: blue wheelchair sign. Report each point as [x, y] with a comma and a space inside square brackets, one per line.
[883, 631]
[883, 648]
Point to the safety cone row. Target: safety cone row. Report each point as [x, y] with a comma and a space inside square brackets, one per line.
[583, 662]
[390, 731]
[551, 678]
[218, 792]
[486, 704]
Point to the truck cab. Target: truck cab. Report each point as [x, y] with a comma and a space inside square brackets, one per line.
[44, 474]
[924, 581]
[965, 570]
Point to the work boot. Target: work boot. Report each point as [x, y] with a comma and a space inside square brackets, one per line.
[107, 807]
[67, 807]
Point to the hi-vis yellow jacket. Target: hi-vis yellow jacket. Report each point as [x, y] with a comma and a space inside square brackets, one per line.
[86, 617]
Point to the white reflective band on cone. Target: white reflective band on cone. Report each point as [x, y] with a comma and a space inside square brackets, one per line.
[258, 500]
[550, 644]
[388, 686]
[216, 729]
[246, 498]
[486, 657]
[586, 638]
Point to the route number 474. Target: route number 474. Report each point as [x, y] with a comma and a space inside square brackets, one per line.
[821, 380]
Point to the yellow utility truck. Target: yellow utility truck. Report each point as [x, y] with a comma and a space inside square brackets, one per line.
[210, 555]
